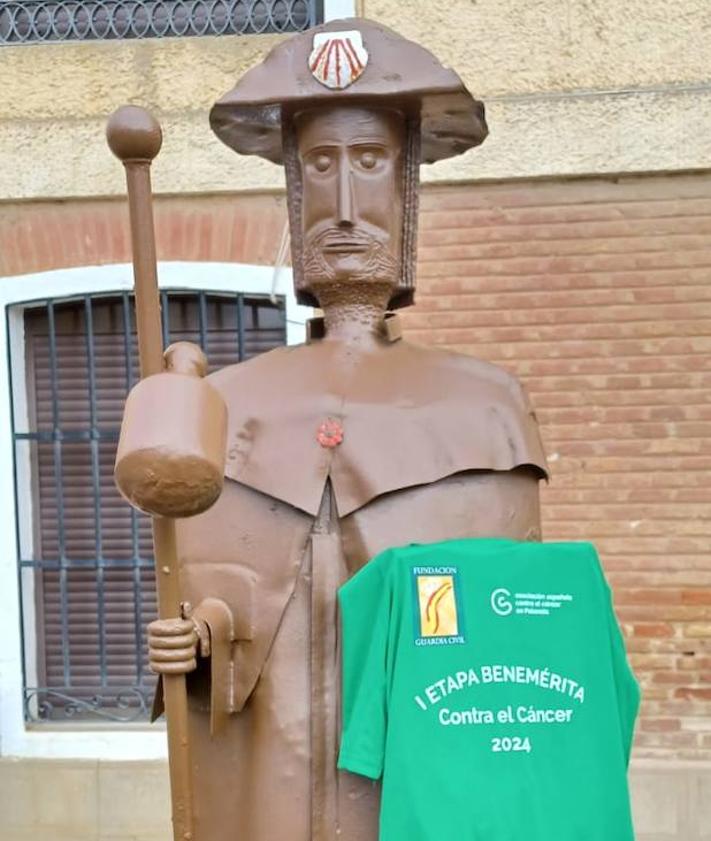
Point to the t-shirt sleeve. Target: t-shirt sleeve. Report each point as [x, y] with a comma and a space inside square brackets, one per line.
[628, 694]
[365, 616]
[626, 686]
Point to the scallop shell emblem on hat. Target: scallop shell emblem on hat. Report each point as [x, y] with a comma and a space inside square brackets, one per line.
[338, 58]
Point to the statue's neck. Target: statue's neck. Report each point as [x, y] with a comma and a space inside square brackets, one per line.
[355, 315]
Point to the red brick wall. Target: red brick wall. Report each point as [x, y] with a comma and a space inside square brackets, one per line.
[40, 236]
[598, 295]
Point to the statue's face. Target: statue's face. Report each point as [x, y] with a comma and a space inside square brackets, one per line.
[351, 167]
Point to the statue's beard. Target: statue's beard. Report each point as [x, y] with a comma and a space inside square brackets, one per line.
[373, 263]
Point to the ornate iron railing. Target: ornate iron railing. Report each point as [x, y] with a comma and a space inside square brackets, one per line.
[32, 21]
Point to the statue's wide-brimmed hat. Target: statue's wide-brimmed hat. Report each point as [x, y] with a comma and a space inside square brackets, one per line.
[349, 61]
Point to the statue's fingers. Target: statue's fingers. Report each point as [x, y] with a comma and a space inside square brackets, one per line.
[173, 661]
[187, 640]
[171, 655]
[170, 627]
[181, 667]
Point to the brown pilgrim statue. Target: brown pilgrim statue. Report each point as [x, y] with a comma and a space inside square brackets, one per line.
[335, 450]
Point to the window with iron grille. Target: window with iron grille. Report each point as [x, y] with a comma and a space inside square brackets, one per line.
[86, 568]
[30, 21]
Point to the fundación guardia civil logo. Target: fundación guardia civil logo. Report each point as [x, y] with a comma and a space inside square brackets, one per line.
[439, 617]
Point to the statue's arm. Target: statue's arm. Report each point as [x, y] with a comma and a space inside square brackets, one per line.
[525, 488]
[170, 463]
[174, 646]
[521, 497]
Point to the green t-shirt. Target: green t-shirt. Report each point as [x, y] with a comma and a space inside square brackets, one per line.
[487, 682]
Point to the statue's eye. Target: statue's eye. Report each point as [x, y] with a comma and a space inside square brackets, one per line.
[322, 163]
[368, 160]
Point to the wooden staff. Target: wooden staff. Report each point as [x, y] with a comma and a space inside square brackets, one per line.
[135, 137]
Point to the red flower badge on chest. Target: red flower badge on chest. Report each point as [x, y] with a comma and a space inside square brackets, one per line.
[330, 433]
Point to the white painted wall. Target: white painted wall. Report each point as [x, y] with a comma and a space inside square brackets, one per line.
[335, 9]
[571, 87]
[83, 740]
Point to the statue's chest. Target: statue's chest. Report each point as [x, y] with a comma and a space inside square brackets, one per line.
[370, 423]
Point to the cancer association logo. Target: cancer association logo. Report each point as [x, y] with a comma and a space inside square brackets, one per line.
[438, 613]
[501, 601]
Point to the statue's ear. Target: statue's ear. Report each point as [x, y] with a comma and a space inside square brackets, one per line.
[294, 199]
[404, 294]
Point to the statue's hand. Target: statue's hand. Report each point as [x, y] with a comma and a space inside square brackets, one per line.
[173, 645]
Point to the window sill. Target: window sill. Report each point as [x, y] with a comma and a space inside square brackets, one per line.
[119, 742]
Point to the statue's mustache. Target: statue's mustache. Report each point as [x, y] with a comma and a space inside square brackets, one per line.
[342, 235]
[378, 260]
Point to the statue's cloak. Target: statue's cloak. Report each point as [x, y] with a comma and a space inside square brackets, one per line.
[430, 445]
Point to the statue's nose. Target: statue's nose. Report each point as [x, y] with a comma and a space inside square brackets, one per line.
[345, 195]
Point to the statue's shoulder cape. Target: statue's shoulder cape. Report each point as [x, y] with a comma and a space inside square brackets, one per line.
[409, 415]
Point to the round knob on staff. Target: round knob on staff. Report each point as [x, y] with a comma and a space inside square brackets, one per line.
[133, 134]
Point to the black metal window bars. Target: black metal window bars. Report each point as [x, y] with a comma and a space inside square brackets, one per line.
[85, 564]
[32, 21]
